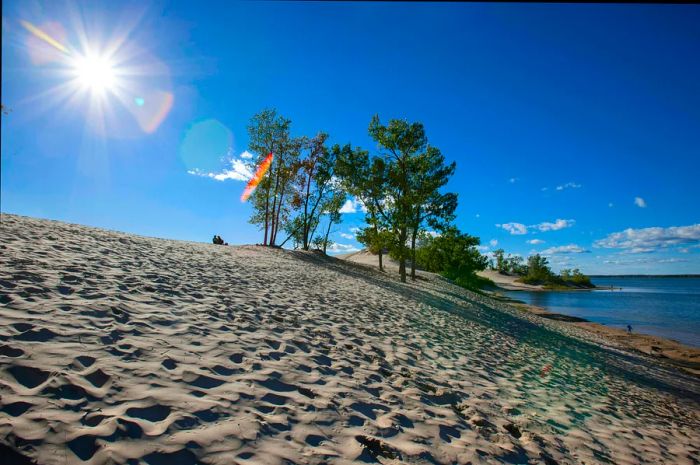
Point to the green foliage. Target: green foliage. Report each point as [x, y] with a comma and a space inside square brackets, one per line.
[539, 273]
[268, 132]
[399, 186]
[575, 278]
[313, 189]
[499, 256]
[452, 254]
[374, 240]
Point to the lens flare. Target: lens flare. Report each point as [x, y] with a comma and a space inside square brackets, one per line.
[95, 72]
[123, 89]
[36, 32]
[257, 177]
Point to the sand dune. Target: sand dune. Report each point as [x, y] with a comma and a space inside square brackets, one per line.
[116, 348]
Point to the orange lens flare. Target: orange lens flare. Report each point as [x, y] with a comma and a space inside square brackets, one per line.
[257, 177]
[43, 36]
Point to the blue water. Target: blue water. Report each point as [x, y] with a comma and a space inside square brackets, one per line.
[666, 307]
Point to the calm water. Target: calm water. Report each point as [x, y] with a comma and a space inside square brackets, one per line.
[667, 307]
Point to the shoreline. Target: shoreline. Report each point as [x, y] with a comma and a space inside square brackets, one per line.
[663, 350]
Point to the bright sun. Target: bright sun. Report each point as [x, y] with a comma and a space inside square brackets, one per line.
[95, 73]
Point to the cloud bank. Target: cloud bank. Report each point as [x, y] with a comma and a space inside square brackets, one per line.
[651, 239]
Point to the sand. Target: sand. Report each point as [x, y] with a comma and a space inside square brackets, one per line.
[508, 282]
[116, 348]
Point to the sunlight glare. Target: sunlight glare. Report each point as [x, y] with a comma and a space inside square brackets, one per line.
[95, 72]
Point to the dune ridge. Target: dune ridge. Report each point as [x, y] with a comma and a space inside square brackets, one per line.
[116, 348]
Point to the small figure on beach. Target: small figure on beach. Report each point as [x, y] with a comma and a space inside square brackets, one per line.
[218, 240]
[629, 329]
[545, 370]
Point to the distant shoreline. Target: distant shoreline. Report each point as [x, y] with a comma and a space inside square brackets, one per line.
[680, 355]
[644, 276]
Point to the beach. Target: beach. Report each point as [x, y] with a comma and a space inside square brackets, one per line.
[116, 348]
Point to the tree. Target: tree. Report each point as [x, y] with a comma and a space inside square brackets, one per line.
[268, 133]
[498, 254]
[452, 254]
[365, 179]
[428, 174]
[375, 241]
[538, 270]
[515, 264]
[400, 143]
[331, 209]
[313, 188]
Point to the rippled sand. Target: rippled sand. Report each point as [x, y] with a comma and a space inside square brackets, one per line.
[116, 348]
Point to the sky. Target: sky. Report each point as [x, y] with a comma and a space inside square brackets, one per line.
[575, 127]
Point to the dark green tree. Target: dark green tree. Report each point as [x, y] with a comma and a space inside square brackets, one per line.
[452, 254]
[429, 173]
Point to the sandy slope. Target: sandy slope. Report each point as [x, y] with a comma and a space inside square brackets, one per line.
[123, 349]
[506, 282]
[509, 282]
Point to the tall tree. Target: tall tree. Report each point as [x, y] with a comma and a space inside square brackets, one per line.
[268, 132]
[331, 209]
[314, 185]
[430, 207]
[365, 179]
[285, 171]
[403, 147]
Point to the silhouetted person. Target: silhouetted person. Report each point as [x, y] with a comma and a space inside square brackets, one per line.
[215, 240]
[629, 329]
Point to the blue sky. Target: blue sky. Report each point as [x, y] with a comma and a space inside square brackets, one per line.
[573, 125]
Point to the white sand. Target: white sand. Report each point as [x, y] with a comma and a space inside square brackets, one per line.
[122, 349]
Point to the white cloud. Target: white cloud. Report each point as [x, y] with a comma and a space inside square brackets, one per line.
[347, 236]
[239, 171]
[342, 248]
[557, 225]
[638, 201]
[352, 206]
[568, 185]
[247, 155]
[519, 228]
[355, 230]
[564, 249]
[433, 233]
[513, 228]
[535, 241]
[493, 242]
[482, 248]
[650, 239]
[638, 261]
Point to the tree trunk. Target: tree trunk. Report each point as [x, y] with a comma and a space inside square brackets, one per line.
[402, 246]
[277, 219]
[328, 231]
[273, 230]
[267, 211]
[307, 221]
[376, 233]
[413, 254]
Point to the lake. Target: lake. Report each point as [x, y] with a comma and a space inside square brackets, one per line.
[666, 307]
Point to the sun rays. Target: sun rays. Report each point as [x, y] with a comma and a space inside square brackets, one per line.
[121, 89]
